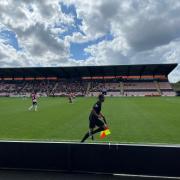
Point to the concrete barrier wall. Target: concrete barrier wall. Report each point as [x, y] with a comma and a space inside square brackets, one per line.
[99, 158]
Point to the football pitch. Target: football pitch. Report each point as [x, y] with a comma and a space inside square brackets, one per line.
[130, 119]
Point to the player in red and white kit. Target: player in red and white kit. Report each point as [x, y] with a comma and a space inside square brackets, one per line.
[70, 97]
[34, 102]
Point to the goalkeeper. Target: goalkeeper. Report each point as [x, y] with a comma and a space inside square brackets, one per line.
[96, 118]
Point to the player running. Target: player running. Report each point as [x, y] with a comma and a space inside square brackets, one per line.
[96, 118]
[34, 102]
[70, 97]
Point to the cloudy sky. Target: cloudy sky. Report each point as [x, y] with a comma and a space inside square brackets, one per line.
[89, 32]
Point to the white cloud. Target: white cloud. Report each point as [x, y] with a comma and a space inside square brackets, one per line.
[9, 56]
[34, 25]
[144, 31]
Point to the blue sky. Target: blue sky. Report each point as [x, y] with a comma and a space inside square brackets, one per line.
[96, 32]
[77, 49]
[9, 38]
[71, 10]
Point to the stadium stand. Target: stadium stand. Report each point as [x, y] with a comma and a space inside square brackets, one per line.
[124, 80]
[70, 86]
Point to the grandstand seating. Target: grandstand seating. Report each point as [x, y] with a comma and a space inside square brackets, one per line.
[113, 80]
[168, 93]
[65, 87]
[132, 88]
[113, 87]
[165, 85]
[11, 87]
[139, 86]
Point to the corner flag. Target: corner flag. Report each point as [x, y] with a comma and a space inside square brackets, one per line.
[104, 133]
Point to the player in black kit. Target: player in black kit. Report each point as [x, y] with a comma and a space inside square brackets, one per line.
[96, 118]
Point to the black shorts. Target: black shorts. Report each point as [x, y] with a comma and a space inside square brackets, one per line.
[34, 103]
[93, 122]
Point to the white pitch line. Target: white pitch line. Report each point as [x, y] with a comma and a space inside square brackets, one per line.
[147, 176]
[96, 142]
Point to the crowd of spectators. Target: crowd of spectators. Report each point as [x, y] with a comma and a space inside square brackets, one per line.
[112, 87]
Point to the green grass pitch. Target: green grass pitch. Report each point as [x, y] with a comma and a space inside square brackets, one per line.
[131, 119]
